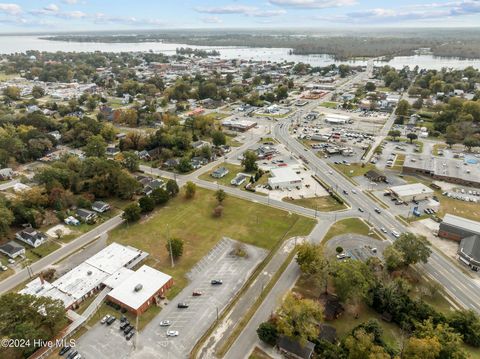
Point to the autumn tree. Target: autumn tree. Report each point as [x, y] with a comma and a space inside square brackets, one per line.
[190, 190]
[312, 261]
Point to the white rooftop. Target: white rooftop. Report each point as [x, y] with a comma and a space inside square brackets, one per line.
[118, 277]
[411, 189]
[113, 257]
[283, 174]
[80, 280]
[150, 280]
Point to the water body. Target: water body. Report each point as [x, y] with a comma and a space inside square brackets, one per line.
[12, 44]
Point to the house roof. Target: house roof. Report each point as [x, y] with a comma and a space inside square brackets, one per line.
[84, 212]
[471, 247]
[11, 247]
[294, 347]
[328, 333]
[373, 174]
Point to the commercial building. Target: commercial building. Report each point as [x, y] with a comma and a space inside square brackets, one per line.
[238, 125]
[375, 176]
[444, 169]
[87, 278]
[284, 177]
[141, 289]
[457, 228]
[337, 119]
[412, 192]
[469, 251]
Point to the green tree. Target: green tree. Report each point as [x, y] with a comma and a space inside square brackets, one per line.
[393, 258]
[299, 318]
[450, 341]
[412, 136]
[467, 323]
[146, 203]
[130, 161]
[96, 146]
[184, 165]
[361, 345]
[370, 86]
[268, 333]
[218, 138]
[220, 195]
[176, 247]
[470, 142]
[132, 213]
[6, 219]
[394, 134]
[190, 190]
[414, 249]
[125, 185]
[172, 188]
[249, 161]
[12, 93]
[160, 196]
[38, 91]
[352, 280]
[312, 261]
[421, 348]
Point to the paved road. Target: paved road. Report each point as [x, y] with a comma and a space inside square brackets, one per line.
[59, 254]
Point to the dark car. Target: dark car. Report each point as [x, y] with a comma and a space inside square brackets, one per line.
[65, 350]
[345, 192]
[361, 209]
[111, 320]
[128, 329]
[72, 354]
[123, 319]
[216, 282]
[130, 335]
[378, 210]
[124, 325]
[197, 293]
[182, 305]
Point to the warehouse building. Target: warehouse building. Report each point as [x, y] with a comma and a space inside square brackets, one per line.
[238, 125]
[457, 228]
[337, 119]
[141, 289]
[443, 169]
[284, 178]
[412, 192]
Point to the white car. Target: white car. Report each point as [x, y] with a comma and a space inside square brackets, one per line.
[354, 191]
[172, 333]
[165, 323]
[395, 234]
[384, 230]
[104, 319]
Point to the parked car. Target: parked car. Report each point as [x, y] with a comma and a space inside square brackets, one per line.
[72, 355]
[182, 305]
[384, 230]
[395, 234]
[124, 325]
[130, 335]
[216, 281]
[172, 333]
[378, 210]
[197, 294]
[64, 350]
[104, 319]
[165, 323]
[111, 320]
[128, 329]
[360, 209]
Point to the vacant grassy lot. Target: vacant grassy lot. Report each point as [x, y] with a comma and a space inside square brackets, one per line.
[354, 169]
[193, 222]
[329, 104]
[322, 204]
[349, 225]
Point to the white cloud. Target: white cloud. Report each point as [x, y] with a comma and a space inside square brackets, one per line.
[51, 8]
[11, 9]
[211, 20]
[70, 2]
[72, 15]
[313, 4]
[241, 10]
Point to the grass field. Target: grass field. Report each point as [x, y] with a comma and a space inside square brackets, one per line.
[329, 104]
[354, 170]
[193, 222]
[34, 254]
[349, 225]
[322, 204]
[399, 161]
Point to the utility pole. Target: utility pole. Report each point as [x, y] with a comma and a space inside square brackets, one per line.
[170, 246]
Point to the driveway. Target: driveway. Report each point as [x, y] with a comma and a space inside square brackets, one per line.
[192, 322]
[356, 245]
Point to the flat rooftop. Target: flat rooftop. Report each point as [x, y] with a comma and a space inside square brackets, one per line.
[411, 189]
[115, 279]
[283, 174]
[446, 167]
[113, 257]
[462, 223]
[148, 279]
[80, 280]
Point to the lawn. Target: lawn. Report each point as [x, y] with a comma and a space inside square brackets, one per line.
[437, 147]
[329, 104]
[349, 225]
[354, 169]
[232, 142]
[233, 171]
[258, 354]
[193, 222]
[322, 204]
[399, 161]
[34, 254]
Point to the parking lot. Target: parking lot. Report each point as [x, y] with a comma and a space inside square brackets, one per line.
[191, 322]
[356, 246]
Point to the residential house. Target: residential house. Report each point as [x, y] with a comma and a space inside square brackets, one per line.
[86, 216]
[100, 207]
[293, 349]
[220, 172]
[150, 184]
[71, 221]
[31, 236]
[171, 163]
[239, 179]
[12, 249]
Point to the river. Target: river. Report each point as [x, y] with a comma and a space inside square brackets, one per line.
[12, 44]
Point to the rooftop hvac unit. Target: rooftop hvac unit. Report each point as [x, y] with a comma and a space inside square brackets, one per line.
[89, 272]
[138, 287]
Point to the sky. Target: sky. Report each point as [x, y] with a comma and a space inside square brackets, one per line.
[91, 15]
